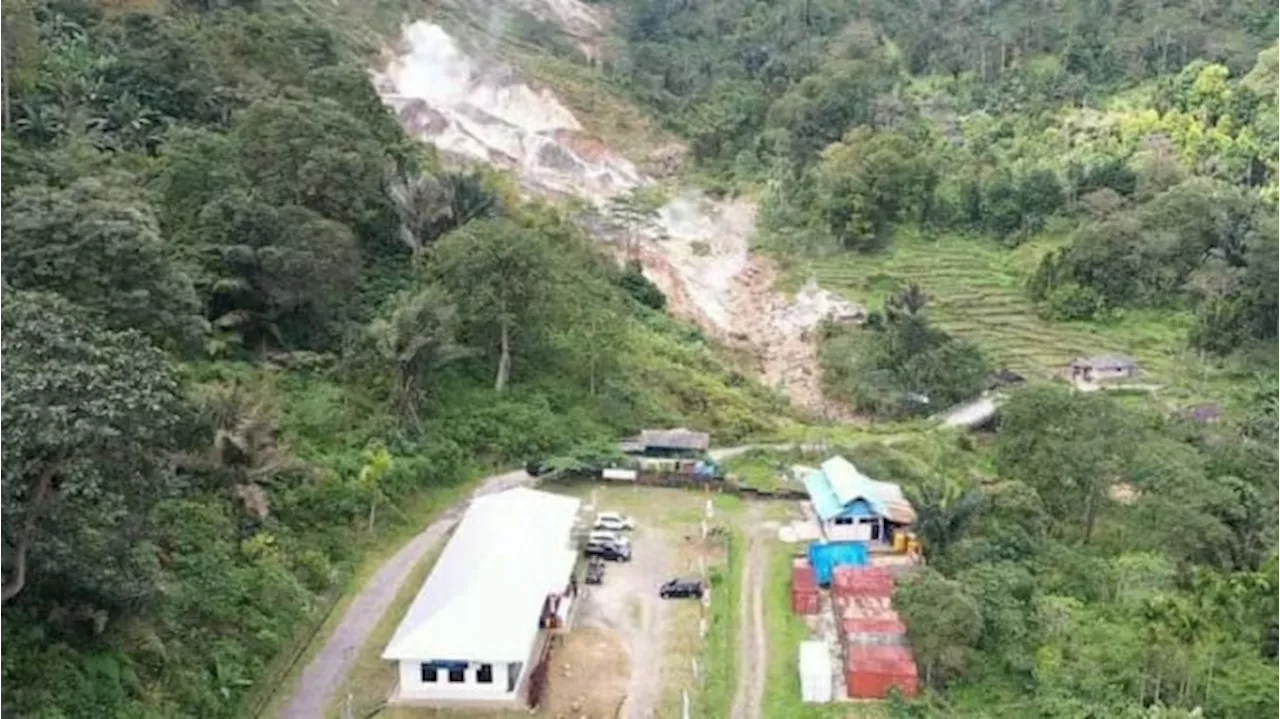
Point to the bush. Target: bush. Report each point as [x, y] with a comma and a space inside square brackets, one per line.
[1073, 302]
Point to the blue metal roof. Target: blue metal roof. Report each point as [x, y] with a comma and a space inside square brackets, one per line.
[825, 502]
[839, 489]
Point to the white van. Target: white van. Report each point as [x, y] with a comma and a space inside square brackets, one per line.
[603, 537]
[613, 521]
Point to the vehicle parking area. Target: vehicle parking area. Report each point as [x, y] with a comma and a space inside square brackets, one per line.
[625, 611]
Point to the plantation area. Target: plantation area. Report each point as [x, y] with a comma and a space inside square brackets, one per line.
[977, 291]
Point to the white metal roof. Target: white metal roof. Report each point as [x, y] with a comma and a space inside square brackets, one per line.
[485, 593]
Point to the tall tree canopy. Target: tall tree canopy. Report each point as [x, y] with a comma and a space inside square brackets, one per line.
[90, 418]
[98, 244]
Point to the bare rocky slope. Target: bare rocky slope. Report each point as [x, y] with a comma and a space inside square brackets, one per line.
[694, 248]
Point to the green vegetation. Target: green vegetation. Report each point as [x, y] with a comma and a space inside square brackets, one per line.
[239, 361]
[1028, 166]
[898, 364]
[257, 333]
[975, 293]
[720, 648]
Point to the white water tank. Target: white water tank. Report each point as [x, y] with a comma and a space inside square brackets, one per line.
[815, 672]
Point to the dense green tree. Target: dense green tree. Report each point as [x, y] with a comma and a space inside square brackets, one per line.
[1071, 448]
[314, 154]
[18, 45]
[944, 510]
[868, 181]
[506, 274]
[944, 622]
[195, 168]
[280, 274]
[97, 244]
[900, 363]
[90, 418]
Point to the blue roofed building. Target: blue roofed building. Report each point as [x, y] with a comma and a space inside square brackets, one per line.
[853, 507]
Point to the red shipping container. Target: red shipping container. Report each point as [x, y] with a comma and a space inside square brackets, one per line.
[874, 625]
[862, 581]
[871, 670]
[869, 685]
[863, 606]
[802, 577]
[804, 588]
[878, 655]
[805, 603]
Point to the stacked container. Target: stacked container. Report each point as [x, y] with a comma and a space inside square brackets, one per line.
[804, 588]
[877, 657]
[872, 671]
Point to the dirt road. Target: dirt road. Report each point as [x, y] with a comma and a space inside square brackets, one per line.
[628, 604]
[328, 670]
[753, 650]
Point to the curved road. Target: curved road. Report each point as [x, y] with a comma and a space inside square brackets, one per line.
[328, 670]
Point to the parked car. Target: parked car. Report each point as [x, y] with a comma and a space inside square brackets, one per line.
[614, 522]
[595, 571]
[602, 537]
[681, 588]
[608, 552]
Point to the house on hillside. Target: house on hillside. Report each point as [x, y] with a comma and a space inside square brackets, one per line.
[678, 443]
[1102, 368]
[479, 626]
[853, 507]
[671, 450]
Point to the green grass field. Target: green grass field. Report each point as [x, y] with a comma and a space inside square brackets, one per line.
[976, 291]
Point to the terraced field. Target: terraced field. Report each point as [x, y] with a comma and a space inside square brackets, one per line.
[976, 291]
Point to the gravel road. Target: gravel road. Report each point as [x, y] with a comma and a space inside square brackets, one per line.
[753, 651]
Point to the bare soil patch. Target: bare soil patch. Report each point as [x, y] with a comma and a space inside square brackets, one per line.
[588, 677]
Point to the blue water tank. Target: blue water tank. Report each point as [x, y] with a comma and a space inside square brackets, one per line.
[824, 557]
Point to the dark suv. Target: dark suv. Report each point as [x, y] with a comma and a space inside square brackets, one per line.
[610, 552]
[681, 588]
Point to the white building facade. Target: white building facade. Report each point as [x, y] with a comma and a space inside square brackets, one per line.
[477, 628]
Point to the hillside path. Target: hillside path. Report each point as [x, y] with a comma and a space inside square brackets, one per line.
[328, 671]
[753, 650]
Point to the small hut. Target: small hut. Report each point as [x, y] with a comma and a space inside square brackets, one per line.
[1102, 368]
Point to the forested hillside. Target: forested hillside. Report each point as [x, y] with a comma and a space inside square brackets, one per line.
[252, 331]
[255, 332]
[1010, 185]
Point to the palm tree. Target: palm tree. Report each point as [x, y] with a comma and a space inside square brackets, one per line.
[910, 301]
[430, 206]
[244, 448]
[469, 199]
[944, 510]
[417, 337]
[422, 205]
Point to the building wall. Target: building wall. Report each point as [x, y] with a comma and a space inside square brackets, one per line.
[1094, 374]
[413, 690]
[859, 530]
[412, 687]
[856, 532]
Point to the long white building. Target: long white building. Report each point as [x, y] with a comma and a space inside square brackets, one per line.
[478, 625]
